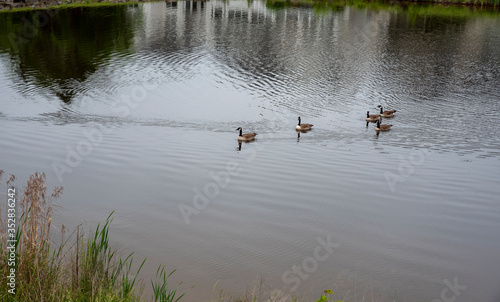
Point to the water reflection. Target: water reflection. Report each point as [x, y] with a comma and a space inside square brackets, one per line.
[289, 59]
[301, 131]
[57, 50]
[240, 143]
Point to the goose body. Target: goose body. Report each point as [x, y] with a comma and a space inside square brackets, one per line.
[387, 113]
[371, 117]
[384, 127]
[303, 127]
[246, 136]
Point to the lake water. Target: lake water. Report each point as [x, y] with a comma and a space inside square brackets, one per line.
[133, 109]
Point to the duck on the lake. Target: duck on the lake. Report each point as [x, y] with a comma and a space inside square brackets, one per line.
[387, 113]
[384, 127]
[371, 117]
[246, 136]
[303, 127]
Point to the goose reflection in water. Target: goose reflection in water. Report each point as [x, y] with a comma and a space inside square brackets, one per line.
[301, 131]
[241, 142]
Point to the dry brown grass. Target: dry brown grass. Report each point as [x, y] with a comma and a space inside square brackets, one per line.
[3, 222]
[87, 270]
[35, 268]
[34, 216]
[36, 220]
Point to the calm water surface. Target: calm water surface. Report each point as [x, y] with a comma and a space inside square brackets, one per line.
[134, 109]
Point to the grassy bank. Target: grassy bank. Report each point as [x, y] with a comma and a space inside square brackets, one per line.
[85, 267]
[21, 6]
[377, 3]
[412, 8]
[79, 268]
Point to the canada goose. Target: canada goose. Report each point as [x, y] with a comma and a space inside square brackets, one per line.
[387, 113]
[371, 117]
[382, 127]
[246, 136]
[303, 127]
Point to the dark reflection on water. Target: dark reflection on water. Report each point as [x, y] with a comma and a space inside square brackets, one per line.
[54, 50]
[162, 86]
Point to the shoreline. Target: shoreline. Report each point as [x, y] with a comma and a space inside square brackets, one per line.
[11, 6]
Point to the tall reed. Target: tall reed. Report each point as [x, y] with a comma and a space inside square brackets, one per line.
[36, 266]
[88, 270]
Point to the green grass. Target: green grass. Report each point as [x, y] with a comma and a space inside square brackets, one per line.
[86, 270]
[82, 4]
[435, 8]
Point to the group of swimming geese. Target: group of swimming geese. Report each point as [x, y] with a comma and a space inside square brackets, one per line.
[370, 118]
